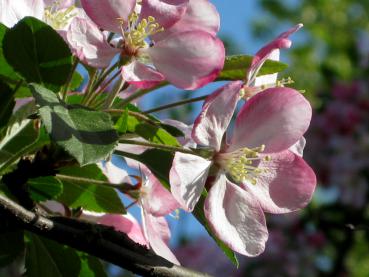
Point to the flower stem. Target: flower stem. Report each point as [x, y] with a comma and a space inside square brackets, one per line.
[160, 146]
[123, 187]
[66, 87]
[88, 90]
[141, 93]
[97, 93]
[175, 104]
[104, 75]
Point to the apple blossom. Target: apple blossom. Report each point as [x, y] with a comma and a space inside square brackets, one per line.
[199, 52]
[255, 173]
[155, 201]
[58, 14]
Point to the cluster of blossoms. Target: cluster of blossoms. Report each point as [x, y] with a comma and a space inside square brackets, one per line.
[259, 169]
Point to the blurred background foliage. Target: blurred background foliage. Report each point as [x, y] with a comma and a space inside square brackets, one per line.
[332, 46]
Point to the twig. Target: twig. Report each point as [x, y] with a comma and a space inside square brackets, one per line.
[98, 240]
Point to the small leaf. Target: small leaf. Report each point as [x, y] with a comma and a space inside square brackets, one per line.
[17, 136]
[38, 53]
[150, 158]
[174, 131]
[92, 197]
[7, 104]
[44, 188]
[11, 245]
[122, 123]
[85, 134]
[235, 67]
[150, 132]
[48, 258]
[6, 71]
[77, 81]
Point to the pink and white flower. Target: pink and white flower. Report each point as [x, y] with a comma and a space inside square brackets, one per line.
[255, 173]
[155, 201]
[58, 14]
[193, 46]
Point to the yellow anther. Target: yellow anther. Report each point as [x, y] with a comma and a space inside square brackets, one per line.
[58, 18]
[242, 164]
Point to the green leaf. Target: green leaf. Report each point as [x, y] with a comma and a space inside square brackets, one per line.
[11, 245]
[7, 104]
[174, 131]
[5, 69]
[161, 170]
[150, 132]
[150, 158]
[152, 129]
[38, 53]
[76, 82]
[85, 134]
[17, 136]
[21, 137]
[235, 67]
[122, 123]
[44, 188]
[92, 197]
[48, 258]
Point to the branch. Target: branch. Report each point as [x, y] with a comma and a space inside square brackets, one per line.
[98, 240]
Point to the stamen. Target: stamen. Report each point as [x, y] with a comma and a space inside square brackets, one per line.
[246, 92]
[136, 33]
[240, 164]
[283, 82]
[56, 17]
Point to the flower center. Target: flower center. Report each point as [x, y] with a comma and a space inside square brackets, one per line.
[137, 32]
[56, 17]
[242, 164]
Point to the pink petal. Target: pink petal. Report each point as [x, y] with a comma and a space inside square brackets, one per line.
[157, 200]
[236, 217]
[106, 13]
[276, 117]
[199, 54]
[298, 147]
[60, 4]
[217, 112]
[141, 76]
[55, 207]
[187, 140]
[131, 148]
[89, 44]
[157, 233]
[165, 12]
[201, 15]
[126, 224]
[287, 184]
[264, 53]
[11, 11]
[268, 79]
[187, 179]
